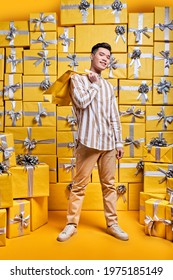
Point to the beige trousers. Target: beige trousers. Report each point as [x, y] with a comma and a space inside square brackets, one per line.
[86, 158]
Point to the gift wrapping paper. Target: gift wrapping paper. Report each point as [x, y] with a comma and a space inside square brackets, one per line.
[66, 119]
[134, 195]
[43, 21]
[1, 93]
[132, 114]
[51, 161]
[58, 199]
[1, 64]
[1, 119]
[163, 23]
[6, 190]
[167, 135]
[157, 154]
[122, 202]
[117, 68]
[163, 90]
[66, 169]
[13, 113]
[43, 40]
[159, 118]
[129, 171]
[13, 87]
[169, 225]
[66, 39]
[163, 59]
[169, 190]
[3, 217]
[14, 60]
[95, 175]
[7, 149]
[66, 143]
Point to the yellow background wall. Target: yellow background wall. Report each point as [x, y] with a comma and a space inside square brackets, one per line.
[20, 9]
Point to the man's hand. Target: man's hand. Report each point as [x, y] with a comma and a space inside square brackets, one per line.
[93, 77]
[120, 153]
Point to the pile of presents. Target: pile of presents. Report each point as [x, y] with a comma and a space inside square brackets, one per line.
[37, 137]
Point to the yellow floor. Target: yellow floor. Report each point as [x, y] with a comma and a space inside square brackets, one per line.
[91, 241]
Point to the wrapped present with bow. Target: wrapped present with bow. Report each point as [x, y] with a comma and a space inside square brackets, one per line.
[134, 194]
[40, 62]
[12, 87]
[14, 34]
[34, 140]
[122, 192]
[43, 40]
[28, 177]
[3, 221]
[163, 90]
[66, 169]
[140, 29]
[7, 150]
[132, 114]
[51, 161]
[166, 135]
[74, 12]
[95, 174]
[159, 118]
[117, 68]
[163, 25]
[155, 217]
[66, 119]
[135, 92]
[130, 170]
[2, 118]
[39, 114]
[169, 225]
[34, 87]
[66, 143]
[169, 189]
[6, 188]
[88, 35]
[43, 22]
[66, 39]
[18, 218]
[13, 113]
[2, 64]
[14, 60]
[140, 62]
[163, 59]
[107, 12]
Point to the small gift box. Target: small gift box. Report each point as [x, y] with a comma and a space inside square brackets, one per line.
[163, 24]
[132, 114]
[169, 190]
[157, 154]
[163, 91]
[39, 114]
[130, 170]
[7, 151]
[66, 169]
[1, 118]
[159, 118]
[13, 113]
[117, 68]
[163, 59]
[18, 219]
[66, 143]
[1, 64]
[122, 191]
[14, 60]
[6, 191]
[166, 135]
[43, 22]
[3, 218]
[13, 87]
[134, 194]
[51, 161]
[66, 119]
[95, 174]
[43, 40]
[66, 39]
[169, 224]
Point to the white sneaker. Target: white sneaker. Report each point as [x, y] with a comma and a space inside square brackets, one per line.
[117, 232]
[67, 232]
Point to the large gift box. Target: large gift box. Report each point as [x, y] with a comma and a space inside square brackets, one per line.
[95, 174]
[130, 170]
[76, 12]
[93, 197]
[155, 177]
[66, 119]
[167, 136]
[169, 190]
[39, 62]
[1, 64]
[163, 90]
[140, 62]
[66, 39]
[39, 114]
[159, 118]
[106, 11]
[43, 40]
[157, 154]
[132, 114]
[14, 60]
[66, 169]
[89, 35]
[6, 190]
[3, 219]
[134, 196]
[155, 214]
[163, 24]
[14, 33]
[13, 113]
[39, 212]
[1, 118]
[7, 150]
[35, 140]
[117, 68]
[163, 56]
[13, 87]
[66, 143]
[135, 92]
[140, 29]
[18, 219]
[169, 224]
[35, 86]
[43, 21]
[133, 135]
[122, 191]
[51, 161]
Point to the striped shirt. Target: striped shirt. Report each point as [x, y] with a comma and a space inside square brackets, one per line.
[97, 113]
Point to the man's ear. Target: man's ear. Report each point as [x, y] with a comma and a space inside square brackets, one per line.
[91, 56]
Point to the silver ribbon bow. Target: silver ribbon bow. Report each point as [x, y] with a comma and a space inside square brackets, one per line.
[131, 111]
[130, 141]
[43, 19]
[167, 58]
[143, 90]
[117, 6]
[139, 167]
[12, 32]
[164, 87]
[170, 192]
[167, 173]
[4, 168]
[121, 190]
[166, 119]
[112, 66]
[74, 62]
[120, 30]
[14, 116]
[29, 144]
[12, 59]
[139, 32]
[6, 150]
[23, 221]
[71, 120]
[69, 166]
[65, 39]
[43, 58]
[44, 85]
[41, 39]
[13, 88]
[168, 25]
[41, 113]
[84, 5]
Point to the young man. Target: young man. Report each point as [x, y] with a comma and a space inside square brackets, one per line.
[99, 141]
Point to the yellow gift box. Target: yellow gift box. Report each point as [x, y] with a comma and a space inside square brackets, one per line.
[95, 174]
[169, 225]
[89, 35]
[39, 62]
[163, 90]
[66, 119]
[93, 200]
[3, 219]
[66, 142]
[159, 118]
[76, 12]
[28, 181]
[7, 149]
[35, 86]
[155, 177]
[1, 64]
[43, 40]
[142, 198]
[66, 169]
[14, 60]
[39, 114]
[134, 195]
[1, 118]
[169, 190]
[106, 11]
[18, 219]
[39, 212]
[13, 87]
[43, 21]
[155, 214]
[51, 161]
[14, 33]
[157, 154]
[6, 190]
[129, 172]
[13, 113]
[162, 24]
[140, 29]
[163, 53]
[133, 135]
[166, 135]
[122, 190]
[117, 68]
[1, 94]
[132, 114]
[66, 39]
[135, 92]
[58, 199]
[75, 62]
[35, 140]
[114, 82]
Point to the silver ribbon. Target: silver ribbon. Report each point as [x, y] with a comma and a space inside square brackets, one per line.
[21, 220]
[41, 113]
[131, 111]
[164, 86]
[170, 193]
[116, 9]
[45, 84]
[13, 60]
[11, 33]
[168, 60]
[169, 25]
[7, 151]
[166, 119]
[41, 39]
[143, 90]
[69, 167]
[83, 7]
[112, 66]
[74, 62]
[39, 22]
[121, 190]
[2, 231]
[11, 89]
[65, 40]
[139, 32]
[14, 116]
[120, 30]
[168, 174]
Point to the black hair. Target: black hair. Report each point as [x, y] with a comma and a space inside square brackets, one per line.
[100, 45]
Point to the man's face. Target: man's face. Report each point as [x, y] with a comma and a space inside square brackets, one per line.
[100, 60]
